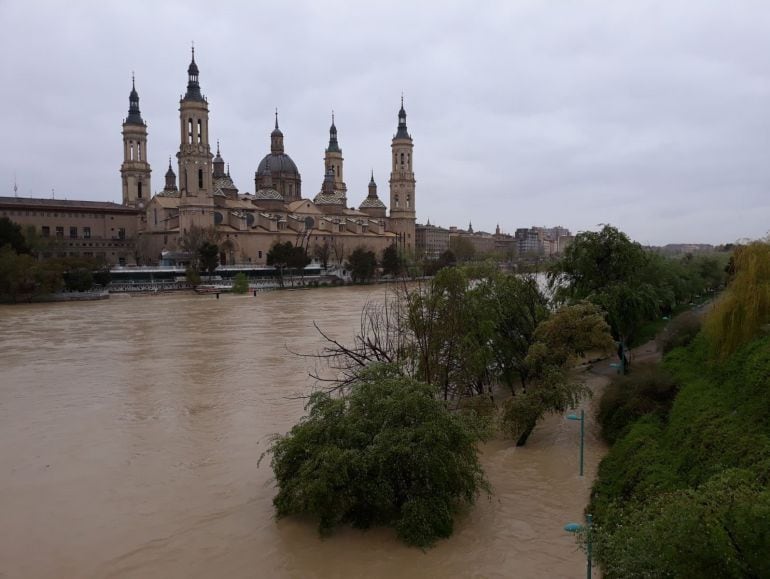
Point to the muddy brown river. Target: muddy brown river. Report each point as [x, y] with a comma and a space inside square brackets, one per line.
[130, 431]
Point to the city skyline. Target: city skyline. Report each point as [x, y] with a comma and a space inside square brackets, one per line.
[649, 117]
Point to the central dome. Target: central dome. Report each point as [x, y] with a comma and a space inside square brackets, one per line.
[279, 163]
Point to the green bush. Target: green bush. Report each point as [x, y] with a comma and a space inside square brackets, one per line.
[648, 390]
[240, 283]
[681, 331]
[688, 497]
[387, 452]
[720, 529]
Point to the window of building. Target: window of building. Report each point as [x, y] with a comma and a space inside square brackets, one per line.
[139, 190]
[260, 255]
[121, 232]
[60, 232]
[200, 132]
[46, 231]
[189, 131]
[200, 178]
[73, 232]
[86, 233]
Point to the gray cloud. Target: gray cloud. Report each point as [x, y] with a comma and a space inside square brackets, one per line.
[648, 115]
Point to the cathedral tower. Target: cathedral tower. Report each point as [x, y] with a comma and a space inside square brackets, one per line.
[333, 159]
[135, 170]
[402, 185]
[194, 151]
[196, 204]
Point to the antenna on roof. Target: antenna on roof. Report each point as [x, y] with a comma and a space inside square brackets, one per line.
[15, 186]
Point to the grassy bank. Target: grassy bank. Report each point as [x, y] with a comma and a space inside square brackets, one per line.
[684, 490]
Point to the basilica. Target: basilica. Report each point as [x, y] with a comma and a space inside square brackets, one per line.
[202, 194]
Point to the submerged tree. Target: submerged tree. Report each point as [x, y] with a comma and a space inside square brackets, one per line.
[559, 341]
[363, 264]
[387, 452]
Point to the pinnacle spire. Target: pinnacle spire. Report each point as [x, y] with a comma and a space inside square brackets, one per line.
[334, 146]
[276, 118]
[134, 116]
[193, 86]
[402, 133]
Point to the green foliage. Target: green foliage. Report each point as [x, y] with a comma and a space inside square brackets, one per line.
[385, 453]
[322, 252]
[192, 276]
[687, 496]
[680, 332]
[743, 312]
[78, 279]
[392, 264]
[102, 276]
[558, 341]
[362, 264]
[720, 529]
[595, 261]
[16, 273]
[650, 390]
[286, 256]
[240, 283]
[12, 236]
[208, 257]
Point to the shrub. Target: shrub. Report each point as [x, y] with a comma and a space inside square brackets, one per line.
[648, 390]
[240, 283]
[386, 452]
[689, 496]
[681, 331]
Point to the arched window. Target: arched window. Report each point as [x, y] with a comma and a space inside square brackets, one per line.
[189, 131]
[139, 190]
[396, 198]
[408, 200]
[200, 178]
[200, 132]
[139, 151]
[402, 160]
[131, 150]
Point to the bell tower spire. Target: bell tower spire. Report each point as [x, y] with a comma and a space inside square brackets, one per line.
[135, 170]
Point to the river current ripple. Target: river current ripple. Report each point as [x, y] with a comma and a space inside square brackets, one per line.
[130, 431]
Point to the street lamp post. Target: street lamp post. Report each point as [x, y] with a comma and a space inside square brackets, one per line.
[582, 419]
[576, 528]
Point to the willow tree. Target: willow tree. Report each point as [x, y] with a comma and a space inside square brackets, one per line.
[743, 311]
[613, 272]
[385, 452]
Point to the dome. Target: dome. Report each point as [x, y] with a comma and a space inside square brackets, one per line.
[268, 194]
[279, 163]
[372, 202]
[336, 198]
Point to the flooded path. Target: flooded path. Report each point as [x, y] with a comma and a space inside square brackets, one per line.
[130, 431]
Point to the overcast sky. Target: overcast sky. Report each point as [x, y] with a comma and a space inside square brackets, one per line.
[651, 116]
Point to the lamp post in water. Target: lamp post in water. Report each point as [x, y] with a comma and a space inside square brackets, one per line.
[582, 419]
[577, 528]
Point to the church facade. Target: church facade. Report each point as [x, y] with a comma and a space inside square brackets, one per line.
[201, 194]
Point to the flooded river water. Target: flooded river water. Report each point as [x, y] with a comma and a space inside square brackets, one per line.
[130, 431]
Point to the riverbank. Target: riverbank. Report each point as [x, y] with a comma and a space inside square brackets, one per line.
[693, 475]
